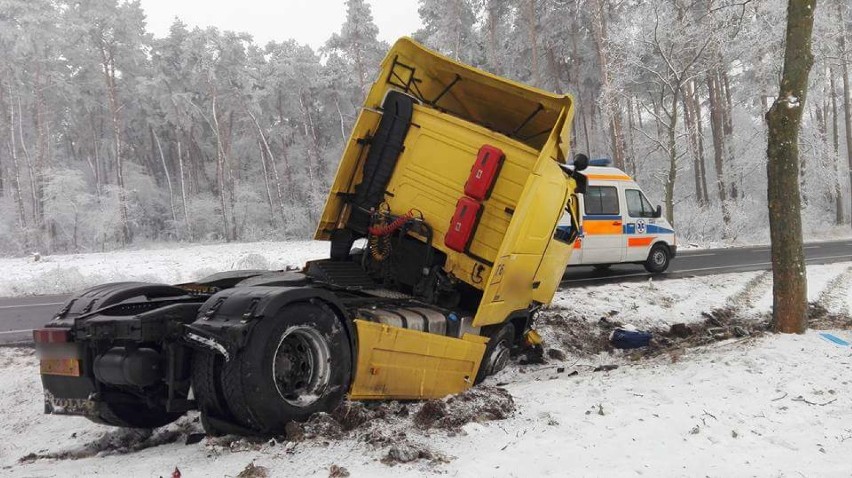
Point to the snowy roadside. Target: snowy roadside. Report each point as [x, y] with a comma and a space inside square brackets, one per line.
[777, 406]
[62, 274]
[760, 406]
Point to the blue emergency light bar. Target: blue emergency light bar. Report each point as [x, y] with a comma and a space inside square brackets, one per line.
[605, 162]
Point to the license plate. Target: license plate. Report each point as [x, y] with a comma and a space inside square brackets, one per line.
[67, 367]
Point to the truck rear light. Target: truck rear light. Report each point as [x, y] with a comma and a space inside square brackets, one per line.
[51, 336]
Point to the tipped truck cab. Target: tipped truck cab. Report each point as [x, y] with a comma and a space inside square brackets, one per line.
[618, 224]
[454, 178]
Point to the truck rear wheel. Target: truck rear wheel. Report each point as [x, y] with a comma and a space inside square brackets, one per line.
[497, 352]
[294, 365]
[207, 388]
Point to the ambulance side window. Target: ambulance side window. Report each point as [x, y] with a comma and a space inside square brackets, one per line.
[602, 201]
[637, 204]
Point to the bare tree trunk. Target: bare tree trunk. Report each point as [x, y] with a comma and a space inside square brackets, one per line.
[692, 135]
[168, 176]
[491, 35]
[268, 151]
[847, 102]
[16, 173]
[611, 109]
[266, 183]
[838, 190]
[672, 175]
[630, 159]
[717, 128]
[221, 174]
[698, 122]
[108, 64]
[30, 170]
[183, 192]
[533, 41]
[790, 299]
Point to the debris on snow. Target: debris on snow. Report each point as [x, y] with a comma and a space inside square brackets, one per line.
[336, 471]
[478, 404]
[254, 471]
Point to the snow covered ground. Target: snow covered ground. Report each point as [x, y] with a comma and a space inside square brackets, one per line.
[775, 405]
[68, 273]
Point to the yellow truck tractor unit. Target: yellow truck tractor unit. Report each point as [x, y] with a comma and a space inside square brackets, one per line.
[442, 223]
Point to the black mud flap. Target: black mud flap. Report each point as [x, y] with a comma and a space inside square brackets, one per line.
[225, 321]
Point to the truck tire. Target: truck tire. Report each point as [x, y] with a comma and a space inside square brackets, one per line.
[294, 364]
[207, 388]
[496, 355]
[658, 259]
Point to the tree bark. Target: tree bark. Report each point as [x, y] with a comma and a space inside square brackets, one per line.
[692, 135]
[611, 109]
[717, 128]
[835, 143]
[790, 301]
[183, 192]
[168, 176]
[16, 173]
[672, 174]
[108, 65]
[847, 103]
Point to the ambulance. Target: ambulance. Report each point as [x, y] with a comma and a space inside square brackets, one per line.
[618, 224]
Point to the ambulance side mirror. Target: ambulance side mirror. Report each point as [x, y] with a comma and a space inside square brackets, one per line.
[659, 212]
[581, 162]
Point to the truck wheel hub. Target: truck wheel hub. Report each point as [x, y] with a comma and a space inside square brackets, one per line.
[300, 366]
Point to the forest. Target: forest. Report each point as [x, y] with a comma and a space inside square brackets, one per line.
[111, 137]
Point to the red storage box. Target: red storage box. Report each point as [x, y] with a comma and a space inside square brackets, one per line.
[484, 173]
[463, 224]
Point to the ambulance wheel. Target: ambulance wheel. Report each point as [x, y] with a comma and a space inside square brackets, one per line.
[602, 267]
[295, 364]
[497, 352]
[658, 259]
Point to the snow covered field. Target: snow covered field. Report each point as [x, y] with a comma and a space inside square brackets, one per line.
[68, 273]
[773, 405]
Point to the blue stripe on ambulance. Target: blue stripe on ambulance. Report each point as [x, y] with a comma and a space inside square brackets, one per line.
[630, 228]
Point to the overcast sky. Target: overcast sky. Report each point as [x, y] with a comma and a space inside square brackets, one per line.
[307, 21]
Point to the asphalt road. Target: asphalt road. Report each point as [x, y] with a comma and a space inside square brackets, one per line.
[697, 262]
[19, 315]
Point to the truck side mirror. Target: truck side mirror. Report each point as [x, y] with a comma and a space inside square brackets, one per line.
[659, 212]
[581, 162]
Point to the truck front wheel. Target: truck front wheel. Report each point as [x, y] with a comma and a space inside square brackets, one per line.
[497, 352]
[294, 364]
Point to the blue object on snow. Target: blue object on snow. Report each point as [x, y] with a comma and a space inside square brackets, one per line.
[834, 339]
[629, 339]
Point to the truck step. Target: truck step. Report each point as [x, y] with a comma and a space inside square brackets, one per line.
[346, 275]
